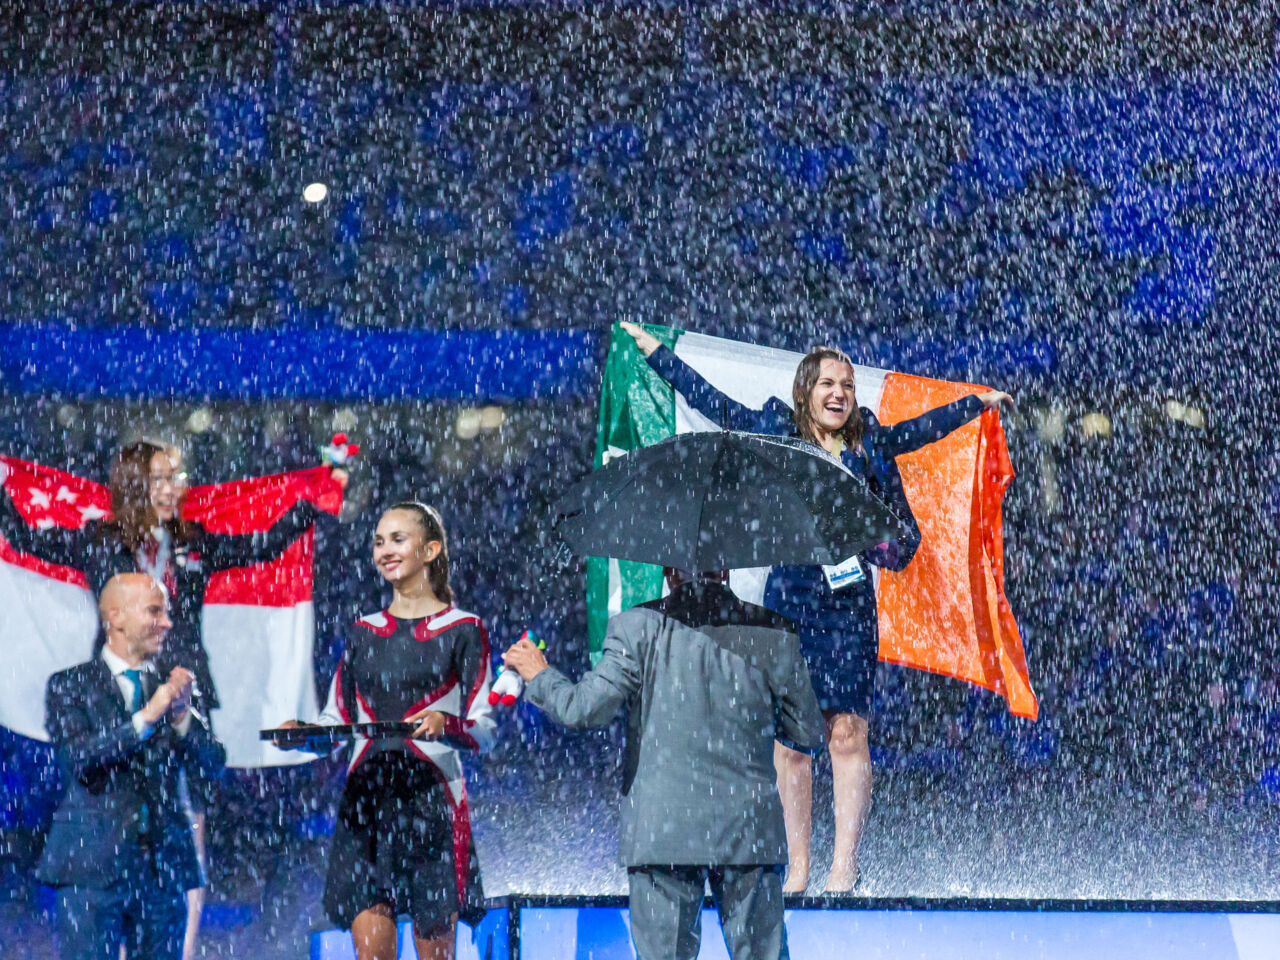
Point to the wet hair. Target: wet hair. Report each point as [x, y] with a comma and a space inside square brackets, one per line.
[132, 515]
[802, 388]
[433, 529]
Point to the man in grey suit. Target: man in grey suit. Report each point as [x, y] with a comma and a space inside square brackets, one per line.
[710, 683]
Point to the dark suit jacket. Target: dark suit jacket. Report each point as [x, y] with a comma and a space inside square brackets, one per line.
[112, 776]
[710, 682]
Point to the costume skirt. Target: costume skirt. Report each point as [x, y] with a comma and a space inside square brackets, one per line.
[394, 843]
[839, 636]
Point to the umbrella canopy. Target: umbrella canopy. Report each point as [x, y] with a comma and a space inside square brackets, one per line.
[723, 500]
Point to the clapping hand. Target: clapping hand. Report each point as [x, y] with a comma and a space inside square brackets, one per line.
[174, 695]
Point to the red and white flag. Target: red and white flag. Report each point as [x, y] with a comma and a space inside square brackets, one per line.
[258, 626]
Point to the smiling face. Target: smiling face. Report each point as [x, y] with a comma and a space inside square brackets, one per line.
[135, 610]
[165, 485]
[831, 400]
[401, 549]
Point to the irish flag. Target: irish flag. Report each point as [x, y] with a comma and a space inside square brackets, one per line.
[258, 621]
[946, 612]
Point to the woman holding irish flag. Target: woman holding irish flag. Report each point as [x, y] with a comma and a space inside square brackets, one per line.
[834, 607]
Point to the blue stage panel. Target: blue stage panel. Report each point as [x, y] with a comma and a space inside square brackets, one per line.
[602, 933]
[488, 942]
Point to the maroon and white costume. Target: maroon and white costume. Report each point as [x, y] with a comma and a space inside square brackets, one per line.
[403, 833]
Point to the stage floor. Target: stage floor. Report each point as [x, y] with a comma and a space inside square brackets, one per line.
[562, 929]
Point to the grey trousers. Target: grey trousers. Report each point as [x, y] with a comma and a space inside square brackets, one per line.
[666, 911]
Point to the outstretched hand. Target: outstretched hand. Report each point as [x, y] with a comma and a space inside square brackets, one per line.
[645, 341]
[996, 398]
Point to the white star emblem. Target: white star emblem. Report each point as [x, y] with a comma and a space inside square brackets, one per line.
[91, 513]
[65, 495]
[38, 497]
[44, 524]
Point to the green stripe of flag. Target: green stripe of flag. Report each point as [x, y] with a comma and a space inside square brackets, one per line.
[637, 408]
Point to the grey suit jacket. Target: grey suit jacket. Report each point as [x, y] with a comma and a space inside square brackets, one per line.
[710, 683]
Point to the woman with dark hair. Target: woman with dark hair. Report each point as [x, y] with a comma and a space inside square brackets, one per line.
[146, 534]
[402, 843]
[834, 608]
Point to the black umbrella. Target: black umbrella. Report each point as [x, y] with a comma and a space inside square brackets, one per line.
[722, 500]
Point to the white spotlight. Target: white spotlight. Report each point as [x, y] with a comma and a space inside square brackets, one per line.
[314, 192]
[201, 419]
[344, 419]
[1095, 425]
[468, 423]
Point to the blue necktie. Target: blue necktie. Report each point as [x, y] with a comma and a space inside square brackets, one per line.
[136, 703]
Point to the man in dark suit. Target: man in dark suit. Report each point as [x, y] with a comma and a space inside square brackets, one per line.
[120, 852]
[710, 682]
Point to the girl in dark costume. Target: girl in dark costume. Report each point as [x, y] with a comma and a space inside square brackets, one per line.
[402, 844]
[834, 610]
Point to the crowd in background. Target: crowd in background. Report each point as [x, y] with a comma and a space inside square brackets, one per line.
[950, 224]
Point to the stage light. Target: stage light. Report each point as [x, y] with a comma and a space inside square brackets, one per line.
[1186, 413]
[467, 424]
[344, 419]
[201, 419]
[314, 192]
[1050, 424]
[1095, 425]
[491, 418]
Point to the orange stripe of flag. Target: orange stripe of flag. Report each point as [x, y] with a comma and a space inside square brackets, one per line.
[947, 612]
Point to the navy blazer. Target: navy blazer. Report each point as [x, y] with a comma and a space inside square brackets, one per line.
[881, 443]
[117, 783]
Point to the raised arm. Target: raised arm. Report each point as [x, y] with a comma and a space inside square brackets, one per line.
[935, 424]
[702, 396]
[61, 545]
[223, 550]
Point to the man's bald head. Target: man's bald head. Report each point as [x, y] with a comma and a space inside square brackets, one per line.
[135, 613]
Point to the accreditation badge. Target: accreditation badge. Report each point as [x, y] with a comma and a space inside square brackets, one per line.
[845, 574]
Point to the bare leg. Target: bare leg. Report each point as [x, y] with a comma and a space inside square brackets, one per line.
[438, 946]
[795, 787]
[374, 933]
[851, 786]
[195, 898]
